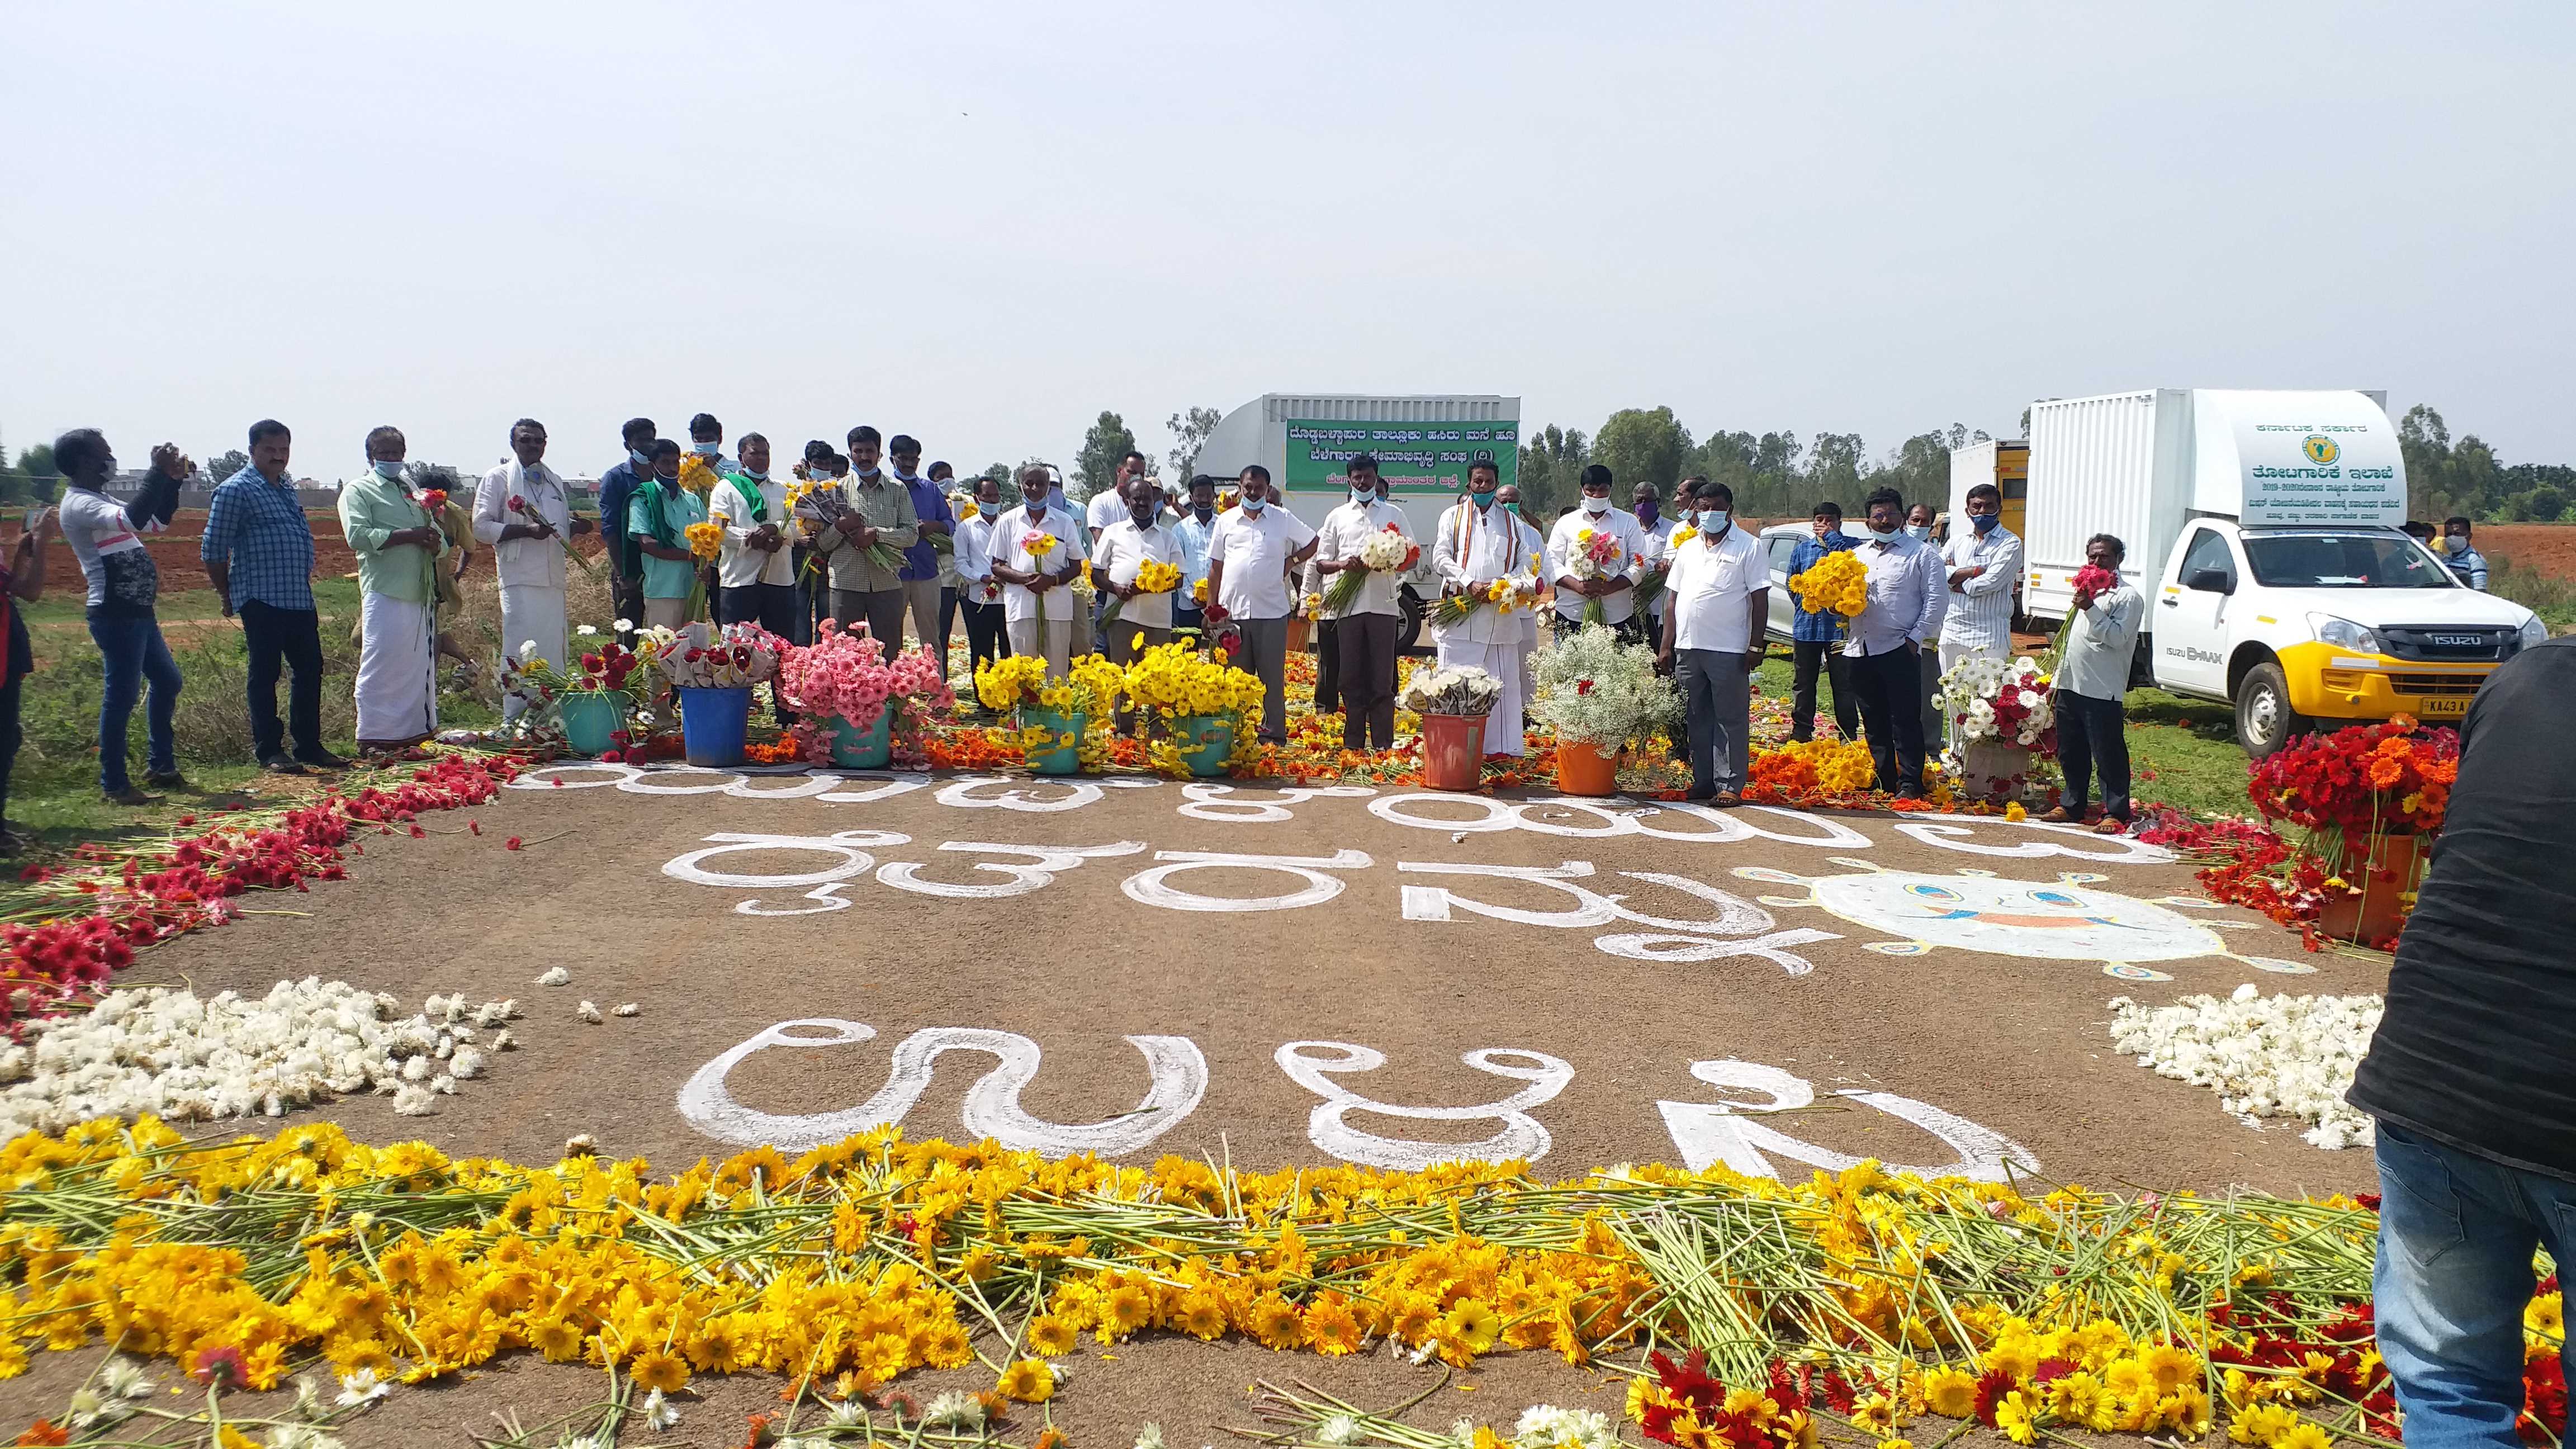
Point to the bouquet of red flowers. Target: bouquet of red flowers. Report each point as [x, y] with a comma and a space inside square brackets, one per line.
[2382, 779]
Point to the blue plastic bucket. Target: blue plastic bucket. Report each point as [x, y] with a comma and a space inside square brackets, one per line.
[1063, 759]
[863, 749]
[1204, 741]
[713, 725]
[590, 721]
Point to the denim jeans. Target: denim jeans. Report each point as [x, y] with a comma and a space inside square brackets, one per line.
[2456, 1233]
[131, 651]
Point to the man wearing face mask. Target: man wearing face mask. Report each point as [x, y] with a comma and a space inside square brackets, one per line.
[1141, 537]
[1981, 566]
[1479, 542]
[1198, 522]
[398, 546]
[977, 594]
[1646, 505]
[755, 568]
[1251, 555]
[1037, 608]
[1712, 642]
[657, 524]
[1926, 526]
[523, 513]
[878, 508]
[616, 495]
[1364, 630]
[920, 573]
[706, 439]
[1614, 590]
[2467, 564]
[1816, 639]
[1901, 617]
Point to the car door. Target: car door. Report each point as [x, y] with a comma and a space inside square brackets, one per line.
[1783, 605]
[2191, 624]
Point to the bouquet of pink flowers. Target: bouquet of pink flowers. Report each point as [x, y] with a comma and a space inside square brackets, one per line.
[844, 674]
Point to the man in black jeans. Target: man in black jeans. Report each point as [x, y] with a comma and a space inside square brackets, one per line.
[617, 489]
[258, 552]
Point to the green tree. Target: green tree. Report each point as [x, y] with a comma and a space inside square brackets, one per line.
[999, 473]
[1190, 431]
[233, 461]
[1641, 445]
[1551, 464]
[1102, 447]
[1837, 463]
[38, 462]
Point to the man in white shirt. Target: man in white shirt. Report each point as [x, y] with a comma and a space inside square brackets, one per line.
[1479, 542]
[755, 564]
[1105, 508]
[523, 513]
[1144, 620]
[1646, 505]
[1888, 636]
[1037, 608]
[1613, 590]
[1713, 640]
[1250, 556]
[1365, 630]
[977, 595]
[1197, 523]
[2092, 686]
[1982, 563]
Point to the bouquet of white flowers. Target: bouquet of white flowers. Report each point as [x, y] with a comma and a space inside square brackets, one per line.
[735, 657]
[2010, 704]
[1596, 691]
[1464, 689]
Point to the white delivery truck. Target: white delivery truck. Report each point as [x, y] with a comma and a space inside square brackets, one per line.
[1423, 445]
[2263, 529]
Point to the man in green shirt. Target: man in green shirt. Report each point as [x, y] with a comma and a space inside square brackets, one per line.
[398, 545]
[877, 508]
[658, 521]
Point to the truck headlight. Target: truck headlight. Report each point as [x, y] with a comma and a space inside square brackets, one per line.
[2343, 634]
[2534, 632]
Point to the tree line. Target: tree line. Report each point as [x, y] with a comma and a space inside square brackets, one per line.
[1774, 474]
[2444, 477]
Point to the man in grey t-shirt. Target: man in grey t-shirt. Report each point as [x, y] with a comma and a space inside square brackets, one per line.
[124, 587]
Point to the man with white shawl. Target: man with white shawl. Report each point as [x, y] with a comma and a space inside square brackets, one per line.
[523, 513]
[1478, 544]
[398, 544]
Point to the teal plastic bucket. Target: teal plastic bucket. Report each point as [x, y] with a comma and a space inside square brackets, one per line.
[1064, 759]
[590, 722]
[714, 724]
[1204, 741]
[863, 749]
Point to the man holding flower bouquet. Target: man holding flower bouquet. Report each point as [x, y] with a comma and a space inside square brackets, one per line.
[1252, 553]
[1033, 561]
[2093, 682]
[398, 542]
[863, 524]
[1593, 554]
[1362, 551]
[657, 525]
[523, 513]
[1488, 584]
[1137, 563]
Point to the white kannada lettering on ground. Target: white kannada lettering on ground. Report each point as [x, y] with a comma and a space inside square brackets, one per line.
[1154, 887]
[1177, 1074]
[1217, 802]
[1023, 868]
[1728, 1133]
[1314, 1064]
[1675, 940]
[1605, 820]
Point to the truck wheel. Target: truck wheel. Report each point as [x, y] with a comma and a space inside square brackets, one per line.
[2264, 720]
[1408, 619]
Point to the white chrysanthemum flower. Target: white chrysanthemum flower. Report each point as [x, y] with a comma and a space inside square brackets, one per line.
[847, 1414]
[658, 1412]
[630, 1009]
[361, 1387]
[555, 976]
[1150, 1437]
[466, 1065]
[589, 1012]
[954, 1410]
[125, 1379]
[414, 1102]
[586, 631]
[1338, 1429]
[2281, 1056]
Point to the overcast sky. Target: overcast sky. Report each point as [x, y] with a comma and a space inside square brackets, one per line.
[983, 224]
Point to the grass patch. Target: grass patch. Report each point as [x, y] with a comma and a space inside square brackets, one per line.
[2551, 597]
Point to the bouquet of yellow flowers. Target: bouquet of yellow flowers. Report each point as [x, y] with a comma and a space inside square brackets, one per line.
[1176, 681]
[1152, 577]
[698, 475]
[706, 540]
[1503, 595]
[1839, 581]
[1010, 682]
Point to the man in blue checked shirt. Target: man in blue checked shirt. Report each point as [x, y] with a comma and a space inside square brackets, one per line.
[1816, 637]
[258, 551]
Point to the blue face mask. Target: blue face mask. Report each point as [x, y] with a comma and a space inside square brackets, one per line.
[642, 460]
[388, 470]
[1254, 505]
[759, 476]
[1919, 530]
[1985, 522]
[1884, 535]
[706, 450]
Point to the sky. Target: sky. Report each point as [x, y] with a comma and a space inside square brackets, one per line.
[985, 224]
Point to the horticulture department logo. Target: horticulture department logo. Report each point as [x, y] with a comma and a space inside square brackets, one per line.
[2321, 449]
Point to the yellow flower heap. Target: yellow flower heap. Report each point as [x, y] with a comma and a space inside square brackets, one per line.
[1839, 581]
[855, 1259]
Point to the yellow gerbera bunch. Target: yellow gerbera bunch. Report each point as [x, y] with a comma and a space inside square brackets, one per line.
[1012, 682]
[1839, 581]
[706, 540]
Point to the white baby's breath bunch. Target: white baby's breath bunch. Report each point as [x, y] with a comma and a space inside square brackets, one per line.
[183, 1058]
[2276, 1056]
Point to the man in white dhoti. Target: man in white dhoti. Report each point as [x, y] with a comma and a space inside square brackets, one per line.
[1479, 543]
[398, 546]
[523, 513]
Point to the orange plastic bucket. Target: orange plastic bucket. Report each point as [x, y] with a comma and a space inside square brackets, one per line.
[1453, 751]
[1582, 769]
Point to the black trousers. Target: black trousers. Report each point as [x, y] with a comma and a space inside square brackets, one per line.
[1365, 644]
[985, 638]
[771, 606]
[1328, 665]
[626, 600]
[292, 637]
[1806, 658]
[12, 734]
[2093, 736]
[1890, 687]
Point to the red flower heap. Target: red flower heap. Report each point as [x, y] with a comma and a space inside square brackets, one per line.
[2383, 779]
[1687, 1406]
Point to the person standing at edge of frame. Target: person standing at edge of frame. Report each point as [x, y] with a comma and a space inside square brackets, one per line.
[124, 589]
[258, 553]
[2471, 1075]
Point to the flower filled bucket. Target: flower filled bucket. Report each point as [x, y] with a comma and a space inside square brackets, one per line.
[590, 721]
[1453, 751]
[1063, 758]
[1582, 769]
[863, 749]
[1992, 770]
[1204, 741]
[2372, 908]
[714, 724]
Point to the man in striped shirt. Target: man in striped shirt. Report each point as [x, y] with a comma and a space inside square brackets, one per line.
[1981, 563]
